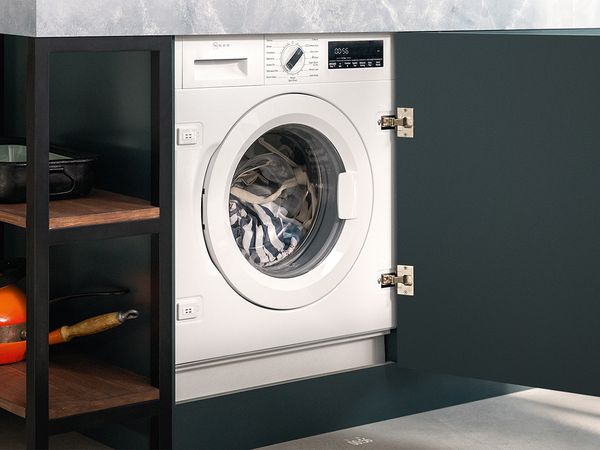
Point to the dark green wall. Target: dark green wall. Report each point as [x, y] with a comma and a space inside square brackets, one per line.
[98, 103]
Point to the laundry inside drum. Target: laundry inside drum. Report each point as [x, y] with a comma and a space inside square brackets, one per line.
[283, 201]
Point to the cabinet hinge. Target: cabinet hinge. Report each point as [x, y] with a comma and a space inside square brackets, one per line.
[403, 279]
[403, 122]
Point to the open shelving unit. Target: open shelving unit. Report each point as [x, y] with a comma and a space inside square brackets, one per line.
[65, 390]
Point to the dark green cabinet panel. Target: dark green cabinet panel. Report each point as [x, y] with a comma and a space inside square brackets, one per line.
[498, 201]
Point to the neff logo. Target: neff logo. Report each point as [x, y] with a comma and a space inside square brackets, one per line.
[221, 44]
[359, 441]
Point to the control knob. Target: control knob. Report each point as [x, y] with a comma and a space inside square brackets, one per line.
[292, 58]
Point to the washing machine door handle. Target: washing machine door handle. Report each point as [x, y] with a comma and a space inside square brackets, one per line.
[347, 195]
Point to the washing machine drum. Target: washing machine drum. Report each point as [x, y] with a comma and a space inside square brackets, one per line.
[283, 202]
[298, 202]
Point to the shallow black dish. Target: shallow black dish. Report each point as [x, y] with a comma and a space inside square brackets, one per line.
[71, 173]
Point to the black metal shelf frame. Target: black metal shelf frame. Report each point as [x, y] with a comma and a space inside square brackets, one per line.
[39, 238]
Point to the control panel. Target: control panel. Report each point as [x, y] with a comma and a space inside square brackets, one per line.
[291, 60]
[284, 59]
[326, 58]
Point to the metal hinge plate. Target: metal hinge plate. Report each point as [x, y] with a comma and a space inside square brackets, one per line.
[403, 122]
[403, 279]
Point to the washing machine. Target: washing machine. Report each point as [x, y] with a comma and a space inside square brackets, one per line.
[283, 208]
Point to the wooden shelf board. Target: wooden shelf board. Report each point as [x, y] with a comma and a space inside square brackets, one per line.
[78, 384]
[100, 207]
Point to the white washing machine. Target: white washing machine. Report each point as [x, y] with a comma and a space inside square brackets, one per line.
[283, 208]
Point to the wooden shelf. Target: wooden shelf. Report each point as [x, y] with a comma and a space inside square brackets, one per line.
[78, 384]
[100, 207]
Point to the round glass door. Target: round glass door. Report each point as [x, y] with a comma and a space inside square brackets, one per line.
[282, 201]
[276, 197]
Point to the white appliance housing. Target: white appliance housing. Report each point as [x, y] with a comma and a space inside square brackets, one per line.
[239, 327]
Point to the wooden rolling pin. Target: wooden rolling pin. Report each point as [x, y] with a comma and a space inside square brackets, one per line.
[92, 325]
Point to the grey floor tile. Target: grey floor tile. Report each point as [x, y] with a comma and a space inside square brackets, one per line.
[530, 420]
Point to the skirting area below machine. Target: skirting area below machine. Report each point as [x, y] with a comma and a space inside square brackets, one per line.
[534, 419]
[266, 368]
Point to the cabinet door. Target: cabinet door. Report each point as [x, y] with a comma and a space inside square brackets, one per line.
[498, 207]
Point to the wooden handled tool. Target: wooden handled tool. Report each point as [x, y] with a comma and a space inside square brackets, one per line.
[92, 325]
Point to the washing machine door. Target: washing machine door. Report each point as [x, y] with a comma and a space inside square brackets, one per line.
[287, 201]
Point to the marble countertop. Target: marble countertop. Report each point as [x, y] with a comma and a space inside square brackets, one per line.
[49, 18]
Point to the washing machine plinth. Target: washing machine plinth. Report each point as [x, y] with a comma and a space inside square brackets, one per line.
[227, 375]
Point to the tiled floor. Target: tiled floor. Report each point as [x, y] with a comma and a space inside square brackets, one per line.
[12, 437]
[529, 420]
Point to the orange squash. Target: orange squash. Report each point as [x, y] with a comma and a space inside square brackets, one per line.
[12, 312]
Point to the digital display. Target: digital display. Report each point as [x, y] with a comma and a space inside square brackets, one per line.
[355, 54]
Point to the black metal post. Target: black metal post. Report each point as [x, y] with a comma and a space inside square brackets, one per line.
[162, 249]
[37, 242]
[2, 124]
[2, 88]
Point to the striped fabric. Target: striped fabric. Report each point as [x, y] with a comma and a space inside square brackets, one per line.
[271, 205]
[263, 232]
